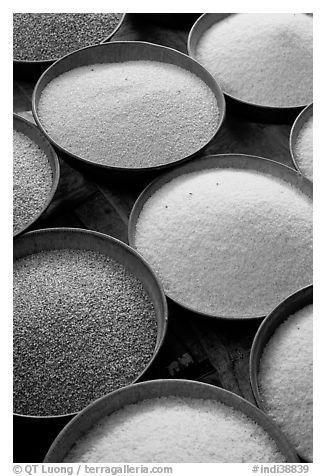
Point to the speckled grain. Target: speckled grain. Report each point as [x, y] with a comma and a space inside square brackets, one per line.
[45, 36]
[32, 180]
[83, 326]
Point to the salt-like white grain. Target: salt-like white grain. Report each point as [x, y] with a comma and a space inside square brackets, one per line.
[131, 114]
[32, 180]
[228, 242]
[262, 58]
[304, 149]
[178, 430]
[286, 379]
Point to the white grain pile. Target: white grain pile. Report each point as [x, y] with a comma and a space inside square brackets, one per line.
[304, 149]
[178, 430]
[261, 58]
[131, 114]
[32, 180]
[286, 379]
[228, 242]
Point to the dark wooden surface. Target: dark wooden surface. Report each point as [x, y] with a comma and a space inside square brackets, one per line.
[208, 350]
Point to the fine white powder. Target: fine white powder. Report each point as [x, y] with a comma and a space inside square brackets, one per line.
[131, 114]
[304, 149]
[32, 180]
[286, 379]
[228, 242]
[261, 58]
[175, 429]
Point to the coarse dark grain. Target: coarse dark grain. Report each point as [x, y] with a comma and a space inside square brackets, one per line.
[83, 326]
[46, 36]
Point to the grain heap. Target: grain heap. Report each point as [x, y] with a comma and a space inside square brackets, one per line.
[178, 430]
[228, 242]
[131, 114]
[83, 326]
[303, 149]
[261, 58]
[32, 180]
[286, 378]
[46, 36]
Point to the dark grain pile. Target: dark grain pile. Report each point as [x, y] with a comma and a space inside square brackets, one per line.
[83, 326]
[45, 36]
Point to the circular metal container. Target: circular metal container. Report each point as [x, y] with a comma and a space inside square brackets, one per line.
[32, 132]
[291, 305]
[223, 161]
[252, 111]
[33, 69]
[108, 404]
[47, 427]
[299, 123]
[119, 52]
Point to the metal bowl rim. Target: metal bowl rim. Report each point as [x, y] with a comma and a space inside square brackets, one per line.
[263, 107]
[232, 398]
[153, 168]
[48, 62]
[128, 248]
[253, 363]
[153, 183]
[55, 174]
[307, 111]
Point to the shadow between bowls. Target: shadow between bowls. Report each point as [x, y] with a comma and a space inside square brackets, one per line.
[250, 111]
[32, 132]
[32, 70]
[45, 428]
[300, 121]
[119, 52]
[233, 161]
[116, 400]
[292, 304]
[180, 21]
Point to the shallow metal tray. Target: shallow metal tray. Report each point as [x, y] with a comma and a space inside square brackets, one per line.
[33, 69]
[300, 121]
[252, 111]
[26, 127]
[45, 428]
[116, 400]
[286, 308]
[235, 161]
[118, 52]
